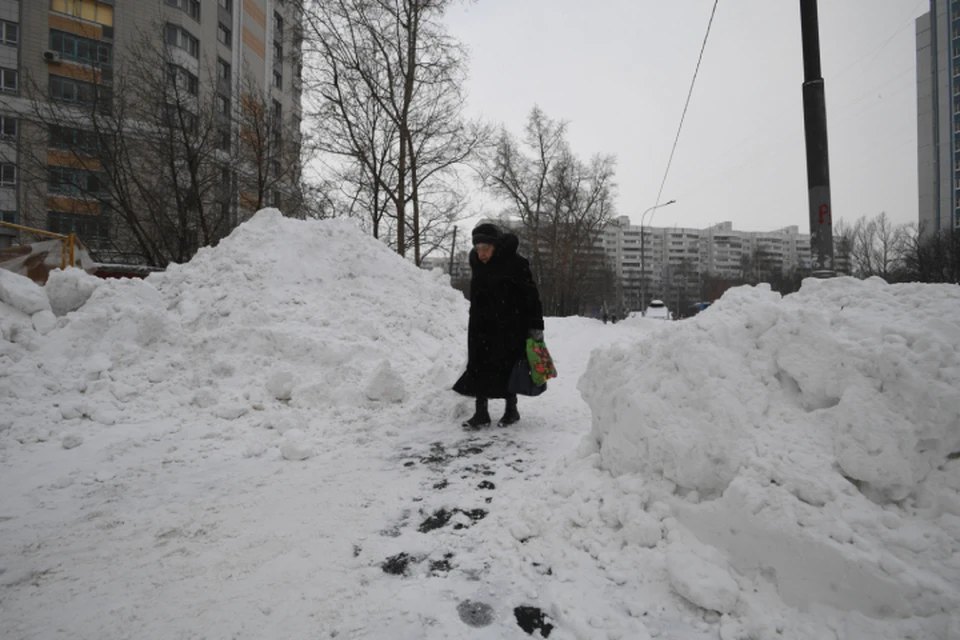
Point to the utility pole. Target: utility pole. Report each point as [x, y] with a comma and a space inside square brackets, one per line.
[815, 129]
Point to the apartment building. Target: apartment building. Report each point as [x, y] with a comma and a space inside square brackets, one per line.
[938, 116]
[671, 257]
[68, 54]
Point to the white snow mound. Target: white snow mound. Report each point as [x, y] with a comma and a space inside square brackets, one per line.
[69, 289]
[22, 293]
[812, 439]
[215, 336]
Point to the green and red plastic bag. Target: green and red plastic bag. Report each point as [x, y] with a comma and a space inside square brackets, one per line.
[541, 364]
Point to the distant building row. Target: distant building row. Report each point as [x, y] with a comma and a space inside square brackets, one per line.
[671, 257]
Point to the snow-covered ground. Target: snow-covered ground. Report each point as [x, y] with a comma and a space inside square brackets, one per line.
[262, 444]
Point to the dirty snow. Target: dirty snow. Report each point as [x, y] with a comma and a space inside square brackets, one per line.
[262, 444]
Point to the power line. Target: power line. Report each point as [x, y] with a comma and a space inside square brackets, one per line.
[686, 106]
[876, 51]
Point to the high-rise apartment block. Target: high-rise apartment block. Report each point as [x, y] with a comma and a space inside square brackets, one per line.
[938, 116]
[671, 257]
[67, 57]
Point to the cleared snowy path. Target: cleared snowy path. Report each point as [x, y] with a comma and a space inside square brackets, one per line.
[174, 528]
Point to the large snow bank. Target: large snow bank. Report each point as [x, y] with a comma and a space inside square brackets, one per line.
[812, 441]
[283, 317]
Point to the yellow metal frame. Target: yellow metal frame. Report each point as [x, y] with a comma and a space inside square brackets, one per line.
[66, 250]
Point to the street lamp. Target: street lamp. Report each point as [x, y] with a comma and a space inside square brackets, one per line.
[643, 255]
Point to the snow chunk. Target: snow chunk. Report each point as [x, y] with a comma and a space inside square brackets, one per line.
[386, 385]
[44, 321]
[71, 441]
[22, 293]
[280, 385]
[232, 411]
[700, 581]
[69, 289]
[294, 446]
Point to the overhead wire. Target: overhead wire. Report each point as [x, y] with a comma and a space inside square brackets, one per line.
[686, 106]
[771, 146]
[876, 51]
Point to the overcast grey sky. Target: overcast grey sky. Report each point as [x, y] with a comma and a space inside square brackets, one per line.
[619, 72]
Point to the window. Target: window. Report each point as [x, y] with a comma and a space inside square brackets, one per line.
[223, 69]
[80, 49]
[86, 10]
[9, 33]
[226, 5]
[74, 181]
[278, 80]
[190, 7]
[72, 139]
[8, 80]
[93, 230]
[277, 51]
[70, 90]
[180, 78]
[181, 120]
[223, 139]
[277, 113]
[277, 26]
[223, 105]
[178, 37]
[8, 127]
[8, 175]
[8, 216]
[223, 35]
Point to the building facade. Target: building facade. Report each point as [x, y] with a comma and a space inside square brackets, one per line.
[672, 257]
[678, 259]
[938, 116]
[66, 54]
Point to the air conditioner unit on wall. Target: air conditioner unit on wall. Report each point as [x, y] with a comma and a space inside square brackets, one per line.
[52, 56]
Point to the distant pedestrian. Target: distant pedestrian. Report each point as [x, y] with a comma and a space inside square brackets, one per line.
[505, 310]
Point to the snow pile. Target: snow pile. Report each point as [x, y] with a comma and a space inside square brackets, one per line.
[804, 446]
[69, 289]
[23, 304]
[284, 318]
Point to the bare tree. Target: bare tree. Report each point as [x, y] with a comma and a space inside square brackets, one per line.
[388, 78]
[524, 181]
[877, 247]
[269, 153]
[843, 246]
[135, 147]
[931, 257]
[562, 202]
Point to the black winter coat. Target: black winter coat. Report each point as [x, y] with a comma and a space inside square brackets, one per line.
[504, 307]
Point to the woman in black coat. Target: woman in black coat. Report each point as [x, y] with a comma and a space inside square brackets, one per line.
[505, 310]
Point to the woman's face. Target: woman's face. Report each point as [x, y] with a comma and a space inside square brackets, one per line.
[484, 252]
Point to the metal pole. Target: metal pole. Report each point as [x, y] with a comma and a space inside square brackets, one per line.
[643, 265]
[815, 128]
[643, 261]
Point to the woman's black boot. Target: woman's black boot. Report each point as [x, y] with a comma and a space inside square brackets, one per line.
[481, 417]
[510, 414]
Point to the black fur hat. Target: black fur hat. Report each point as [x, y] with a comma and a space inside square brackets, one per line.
[485, 233]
